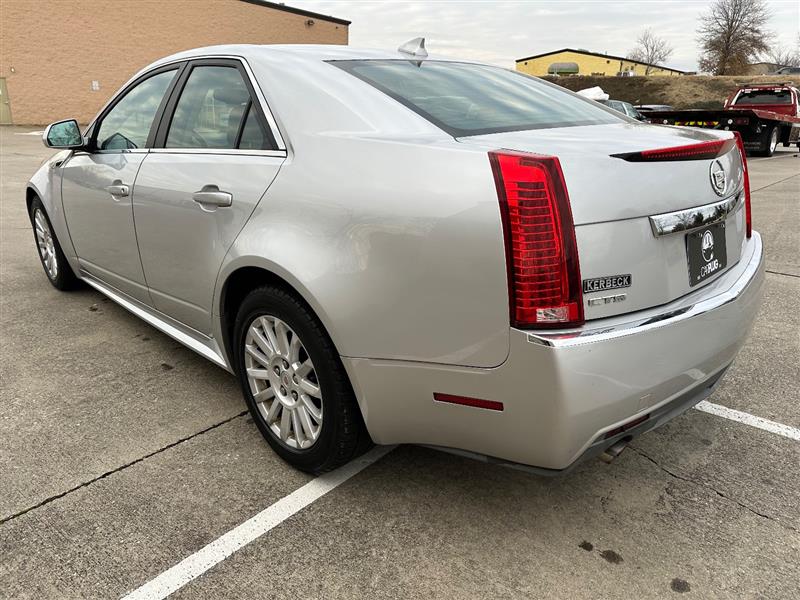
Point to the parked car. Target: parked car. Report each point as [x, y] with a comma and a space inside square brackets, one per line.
[626, 108]
[645, 108]
[387, 247]
[787, 71]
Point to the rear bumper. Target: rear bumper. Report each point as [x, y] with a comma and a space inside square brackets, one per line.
[562, 392]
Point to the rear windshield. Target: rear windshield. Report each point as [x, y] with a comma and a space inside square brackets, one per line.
[467, 99]
[764, 97]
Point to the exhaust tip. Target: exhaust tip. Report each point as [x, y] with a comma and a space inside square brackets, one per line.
[614, 450]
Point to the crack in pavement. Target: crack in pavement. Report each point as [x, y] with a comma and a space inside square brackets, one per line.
[771, 184]
[713, 489]
[779, 273]
[120, 468]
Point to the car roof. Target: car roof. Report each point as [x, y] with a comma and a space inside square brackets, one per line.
[310, 52]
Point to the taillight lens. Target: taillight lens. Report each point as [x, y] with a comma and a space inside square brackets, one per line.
[747, 214]
[541, 253]
[699, 151]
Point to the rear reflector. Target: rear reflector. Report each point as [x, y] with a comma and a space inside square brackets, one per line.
[541, 252]
[747, 213]
[474, 402]
[701, 151]
[626, 427]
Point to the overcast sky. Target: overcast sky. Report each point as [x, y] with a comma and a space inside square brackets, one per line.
[499, 32]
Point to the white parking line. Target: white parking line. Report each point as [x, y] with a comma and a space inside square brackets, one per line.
[742, 417]
[208, 556]
[237, 538]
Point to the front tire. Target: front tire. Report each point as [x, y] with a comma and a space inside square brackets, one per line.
[59, 272]
[294, 383]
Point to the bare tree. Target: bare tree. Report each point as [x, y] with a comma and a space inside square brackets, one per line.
[784, 57]
[651, 49]
[732, 34]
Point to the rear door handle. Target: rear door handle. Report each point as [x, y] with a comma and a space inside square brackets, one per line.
[211, 195]
[118, 189]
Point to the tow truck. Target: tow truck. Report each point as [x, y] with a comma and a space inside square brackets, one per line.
[764, 114]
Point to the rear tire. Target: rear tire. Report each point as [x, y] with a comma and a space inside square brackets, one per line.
[294, 383]
[771, 141]
[58, 270]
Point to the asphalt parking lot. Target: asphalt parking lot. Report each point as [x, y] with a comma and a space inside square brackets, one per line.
[123, 453]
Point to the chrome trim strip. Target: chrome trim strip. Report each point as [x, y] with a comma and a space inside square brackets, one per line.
[207, 347]
[569, 339]
[692, 218]
[234, 151]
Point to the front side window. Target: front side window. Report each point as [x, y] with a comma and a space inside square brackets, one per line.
[210, 110]
[467, 99]
[127, 124]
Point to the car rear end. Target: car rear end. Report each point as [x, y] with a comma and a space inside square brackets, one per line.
[633, 276]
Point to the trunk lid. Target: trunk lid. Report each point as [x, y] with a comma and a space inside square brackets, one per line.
[613, 199]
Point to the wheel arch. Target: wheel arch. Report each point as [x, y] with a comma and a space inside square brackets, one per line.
[237, 280]
[240, 278]
[30, 193]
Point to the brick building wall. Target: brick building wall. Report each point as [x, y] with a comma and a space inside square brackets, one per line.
[52, 51]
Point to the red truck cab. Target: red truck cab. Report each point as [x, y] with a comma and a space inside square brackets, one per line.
[782, 99]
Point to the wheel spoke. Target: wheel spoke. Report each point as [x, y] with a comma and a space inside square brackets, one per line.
[312, 409]
[297, 427]
[281, 333]
[262, 342]
[270, 333]
[252, 351]
[272, 413]
[305, 421]
[302, 370]
[265, 394]
[258, 373]
[294, 349]
[309, 387]
[286, 420]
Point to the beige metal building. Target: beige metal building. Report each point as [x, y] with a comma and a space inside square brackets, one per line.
[568, 61]
[65, 58]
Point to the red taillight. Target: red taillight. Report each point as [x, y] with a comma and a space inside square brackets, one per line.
[747, 215]
[541, 253]
[701, 151]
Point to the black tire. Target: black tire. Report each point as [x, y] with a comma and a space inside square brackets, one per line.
[770, 141]
[342, 434]
[64, 278]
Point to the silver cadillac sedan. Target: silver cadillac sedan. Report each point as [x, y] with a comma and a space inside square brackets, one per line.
[389, 247]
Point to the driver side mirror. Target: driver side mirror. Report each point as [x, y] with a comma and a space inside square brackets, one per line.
[63, 134]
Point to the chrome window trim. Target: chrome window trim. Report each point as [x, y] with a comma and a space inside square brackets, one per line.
[678, 311]
[233, 151]
[273, 124]
[694, 218]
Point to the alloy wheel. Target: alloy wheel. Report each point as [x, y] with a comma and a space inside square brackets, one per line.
[44, 240]
[283, 382]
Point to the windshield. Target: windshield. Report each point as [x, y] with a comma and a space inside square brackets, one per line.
[467, 99]
[783, 96]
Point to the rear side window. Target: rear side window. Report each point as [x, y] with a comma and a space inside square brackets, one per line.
[467, 99]
[783, 96]
[215, 111]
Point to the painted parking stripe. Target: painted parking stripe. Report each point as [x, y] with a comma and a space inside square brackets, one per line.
[237, 538]
[742, 417]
